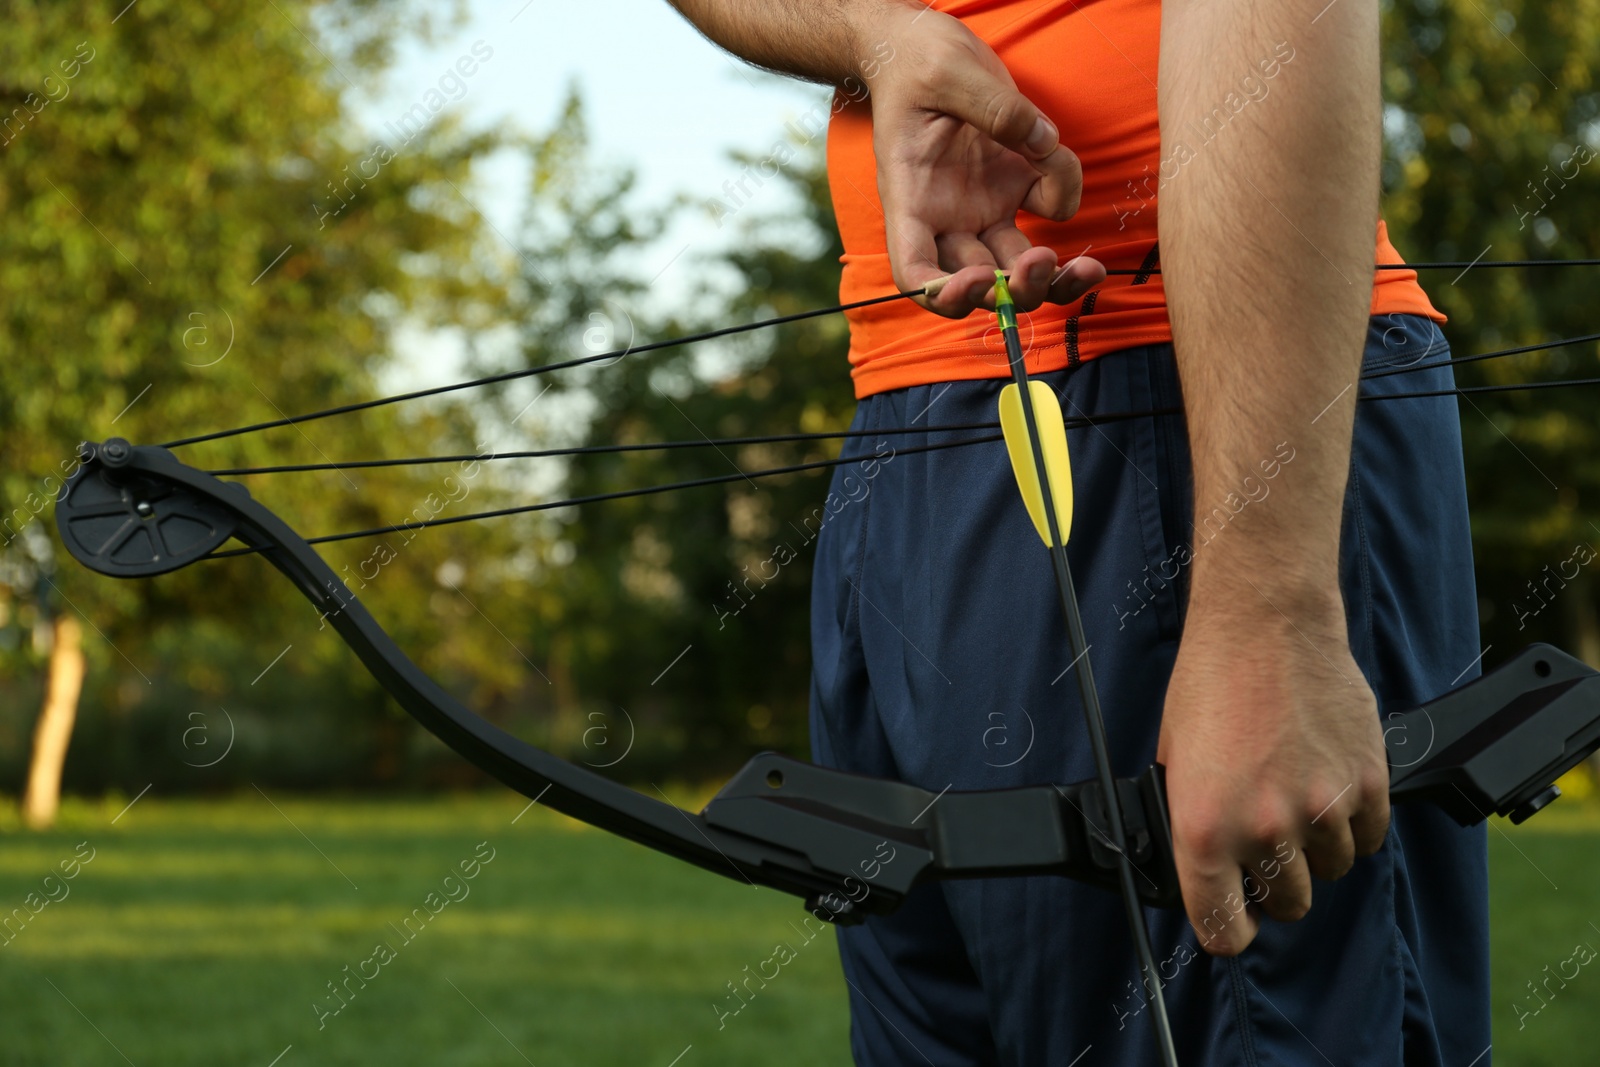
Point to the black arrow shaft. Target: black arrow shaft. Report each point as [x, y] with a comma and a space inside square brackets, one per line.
[1094, 721]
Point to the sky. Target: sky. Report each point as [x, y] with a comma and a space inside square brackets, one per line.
[659, 98]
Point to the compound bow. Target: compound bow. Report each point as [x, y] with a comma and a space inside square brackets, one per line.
[1494, 745]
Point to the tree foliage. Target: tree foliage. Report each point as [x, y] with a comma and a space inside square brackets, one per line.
[199, 235]
[688, 609]
[173, 265]
[1494, 133]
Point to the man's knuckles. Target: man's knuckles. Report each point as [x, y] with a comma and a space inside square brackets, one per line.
[1266, 824]
[1199, 831]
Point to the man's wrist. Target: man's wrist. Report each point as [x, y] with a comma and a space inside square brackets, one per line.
[827, 41]
[874, 29]
[1243, 598]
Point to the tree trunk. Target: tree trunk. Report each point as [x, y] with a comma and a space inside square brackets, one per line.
[54, 729]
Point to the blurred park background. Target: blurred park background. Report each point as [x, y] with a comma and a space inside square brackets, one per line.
[213, 214]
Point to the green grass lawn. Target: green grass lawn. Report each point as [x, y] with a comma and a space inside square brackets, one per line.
[1544, 902]
[203, 932]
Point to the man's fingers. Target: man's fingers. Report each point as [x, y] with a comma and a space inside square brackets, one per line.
[958, 251]
[958, 295]
[915, 254]
[983, 96]
[1060, 186]
[912, 249]
[1353, 823]
[1006, 243]
[1331, 847]
[1218, 909]
[973, 265]
[987, 99]
[1211, 881]
[1282, 887]
[1028, 269]
[1369, 826]
[1075, 278]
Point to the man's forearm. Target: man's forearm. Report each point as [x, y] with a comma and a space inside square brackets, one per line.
[818, 40]
[1267, 242]
[1268, 220]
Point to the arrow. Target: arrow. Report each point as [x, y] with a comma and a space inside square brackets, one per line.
[1036, 438]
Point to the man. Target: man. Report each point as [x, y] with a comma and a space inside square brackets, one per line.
[1260, 578]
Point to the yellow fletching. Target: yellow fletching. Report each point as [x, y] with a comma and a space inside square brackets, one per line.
[1053, 441]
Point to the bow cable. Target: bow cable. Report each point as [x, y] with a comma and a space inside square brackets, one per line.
[1461, 264]
[1073, 422]
[1385, 372]
[719, 479]
[588, 450]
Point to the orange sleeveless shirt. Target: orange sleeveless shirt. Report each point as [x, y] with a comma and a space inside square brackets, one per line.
[1090, 65]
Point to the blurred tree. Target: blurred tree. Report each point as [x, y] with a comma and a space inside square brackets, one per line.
[1492, 129]
[198, 235]
[688, 610]
[1493, 124]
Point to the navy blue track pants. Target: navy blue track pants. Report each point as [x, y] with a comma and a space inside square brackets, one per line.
[940, 659]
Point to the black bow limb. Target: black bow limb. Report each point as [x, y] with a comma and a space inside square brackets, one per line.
[850, 845]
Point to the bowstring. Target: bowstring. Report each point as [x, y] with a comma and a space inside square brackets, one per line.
[589, 450]
[728, 331]
[734, 442]
[1542, 345]
[528, 372]
[593, 498]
